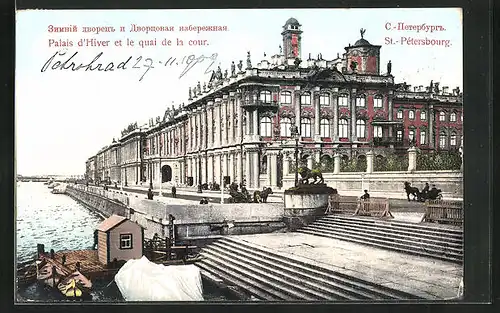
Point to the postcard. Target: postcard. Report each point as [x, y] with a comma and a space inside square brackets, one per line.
[239, 155]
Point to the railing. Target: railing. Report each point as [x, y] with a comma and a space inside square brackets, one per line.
[259, 103]
[444, 211]
[376, 207]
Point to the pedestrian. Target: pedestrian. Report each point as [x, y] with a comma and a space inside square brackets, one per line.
[174, 192]
[365, 196]
[150, 194]
[204, 201]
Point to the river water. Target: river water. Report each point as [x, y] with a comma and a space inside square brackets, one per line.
[60, 223]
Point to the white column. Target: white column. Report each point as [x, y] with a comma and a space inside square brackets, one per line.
[256, 171]
[335, 128]
[238, 167]
[217, 168]
[217, 124]
[224, 122]
[224, 166]
[269, 171]
[247, 168]
[231, 167]
[369, 162]
[189, 169]
[247, 125]
[317, 114]
[412, 159]
[210, 168]
[336, 164]
[286, 165]
[353, 116]
[231, 124]
[297, 109]
[310, 162]
[274, 169]
[240, 118]
[255, 122]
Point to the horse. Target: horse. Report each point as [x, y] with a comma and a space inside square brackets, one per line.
[413, 191]
[261, 196]
[307, 174]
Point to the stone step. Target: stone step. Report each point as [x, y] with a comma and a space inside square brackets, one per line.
[388, 235]
[381, 244]
[274, 284]
[452, 232]
[308, 287]
[398, 227]
[254, 288]
[338, 287]
[349, 284]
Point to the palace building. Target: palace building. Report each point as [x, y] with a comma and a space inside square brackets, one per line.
[238, 125]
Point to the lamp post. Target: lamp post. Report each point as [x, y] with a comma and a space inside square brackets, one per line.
[294, 130]
[199, 172]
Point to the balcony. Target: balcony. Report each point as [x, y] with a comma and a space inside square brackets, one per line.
[386, 141]
[259, 104]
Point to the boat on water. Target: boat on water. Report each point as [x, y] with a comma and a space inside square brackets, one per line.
[59, 189]
[53, 185]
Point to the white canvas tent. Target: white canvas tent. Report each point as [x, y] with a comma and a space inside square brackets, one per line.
[142, 280]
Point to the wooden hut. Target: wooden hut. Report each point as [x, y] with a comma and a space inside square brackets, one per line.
[119, 238]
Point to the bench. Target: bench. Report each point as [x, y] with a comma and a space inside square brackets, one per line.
[444, 212]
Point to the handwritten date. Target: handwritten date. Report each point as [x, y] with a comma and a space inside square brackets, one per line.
[61, 61]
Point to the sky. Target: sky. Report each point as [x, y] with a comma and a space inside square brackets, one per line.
[63, 117]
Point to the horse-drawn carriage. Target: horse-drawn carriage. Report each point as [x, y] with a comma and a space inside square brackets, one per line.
[433, 194]
[244, 196]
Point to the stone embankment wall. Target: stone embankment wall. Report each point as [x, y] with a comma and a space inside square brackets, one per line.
[192, 221]
[390, 184]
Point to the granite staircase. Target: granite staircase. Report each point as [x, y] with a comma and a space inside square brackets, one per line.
[440, 242]
[259, 273]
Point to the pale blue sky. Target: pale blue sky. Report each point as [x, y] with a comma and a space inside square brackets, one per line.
[64, 117]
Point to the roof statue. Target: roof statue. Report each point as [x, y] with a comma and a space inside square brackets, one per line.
[389, 68]
[249, 62]
[281, 49]
[225, 73]
[190, 96]
[233, 69]
[362, 32]
[240, 65]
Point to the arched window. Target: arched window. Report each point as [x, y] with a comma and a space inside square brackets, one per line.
[442, 116]
[411, 115]
[442, 140]
[342, 100]
[324, 128]
[423, 137]
[324, 99]
[265, 127]
[305, 127]
[265, 96]
[305, 99]
[423, 115]
[285, 125]
[377, 101]
[453, 140]
[400, 114]
[286, 97]
[343, 128]
[453, 117]
[411, 135]
[360, 101]
[360, 128]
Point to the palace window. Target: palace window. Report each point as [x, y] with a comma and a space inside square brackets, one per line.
[305, 127]
[442, 140]
[453, 140]
[343, 128]
[342, 100]
[411, 135]
[286, 97]
[453, 117]
[423, 115]
[324, 128]
[423, 137]
[360, 101]
[265, 127]
[285, 125]
[377, 101]
[324, 99]
[265, 96]
[399, 135]
[305, 99]
[442, 116]
[125, 241]
[377, 131]
[360, 128]
[411, 115]
[400, 114]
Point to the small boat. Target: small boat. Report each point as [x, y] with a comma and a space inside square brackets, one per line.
[53, 185]
[75, 286]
